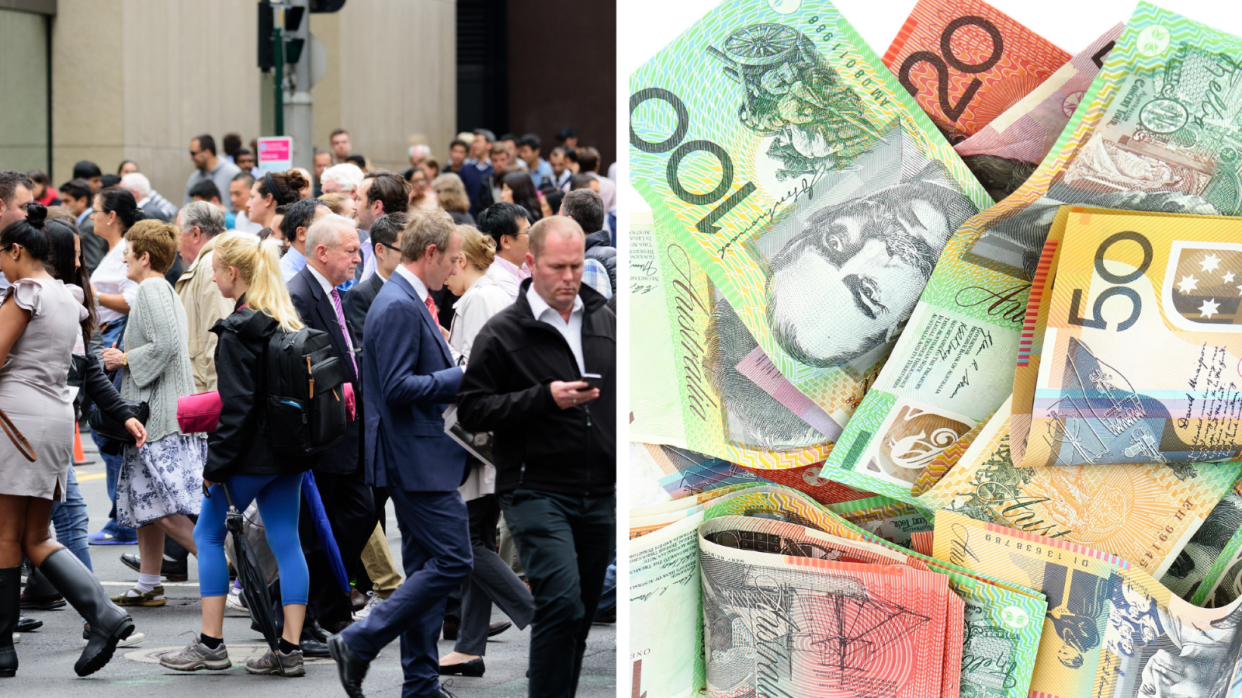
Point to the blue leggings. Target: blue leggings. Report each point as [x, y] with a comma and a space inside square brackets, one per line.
[279, 498]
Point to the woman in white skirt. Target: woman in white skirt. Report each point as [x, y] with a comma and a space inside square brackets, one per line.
[161, 484]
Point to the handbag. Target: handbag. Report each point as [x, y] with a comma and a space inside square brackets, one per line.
[109, 428]
[200, 413]
[23, 446]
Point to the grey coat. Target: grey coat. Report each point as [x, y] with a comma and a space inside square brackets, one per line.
[157, 349]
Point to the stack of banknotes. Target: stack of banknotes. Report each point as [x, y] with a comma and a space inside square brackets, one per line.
[936, 358]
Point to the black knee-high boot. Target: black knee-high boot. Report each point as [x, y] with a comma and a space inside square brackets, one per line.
[109, 624]
[10, 610]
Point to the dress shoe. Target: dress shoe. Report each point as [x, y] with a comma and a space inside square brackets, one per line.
[450, 629]
[172, 570]
[497, 628]
[312, 629]
[474, 667]
[334, 627]
[442, 693]
[350, 668]
[314, 648]
[25, 625]
[42, 603]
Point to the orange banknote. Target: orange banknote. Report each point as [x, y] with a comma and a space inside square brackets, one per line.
[965, 62]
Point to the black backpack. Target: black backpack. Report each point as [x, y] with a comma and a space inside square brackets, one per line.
[305, 392]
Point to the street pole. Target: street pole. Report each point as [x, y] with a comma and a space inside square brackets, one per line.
[298, 98]
[278, 78]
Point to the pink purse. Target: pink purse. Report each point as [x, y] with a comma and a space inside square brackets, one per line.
[200, 412]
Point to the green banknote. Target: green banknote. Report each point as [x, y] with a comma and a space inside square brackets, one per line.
[1207, 572]
[677, 395]
[1158, 130]
[782, 156]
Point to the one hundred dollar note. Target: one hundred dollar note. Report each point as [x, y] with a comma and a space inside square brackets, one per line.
[1151, 376]
[1110, 629]
[1144, 513]
[789, 163]
[1204, 572]
[680, 395]
[967, 62]
[953, 365]
[1006, 151]
[792, 611]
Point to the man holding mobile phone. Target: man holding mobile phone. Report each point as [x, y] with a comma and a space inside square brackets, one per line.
[542, 378]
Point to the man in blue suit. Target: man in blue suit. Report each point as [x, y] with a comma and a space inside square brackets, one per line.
[412, 377]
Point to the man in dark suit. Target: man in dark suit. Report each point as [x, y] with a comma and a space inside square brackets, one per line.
[332, 253]
[407, 359]
[385, 244]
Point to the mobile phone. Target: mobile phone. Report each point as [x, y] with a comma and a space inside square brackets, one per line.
[594, 380]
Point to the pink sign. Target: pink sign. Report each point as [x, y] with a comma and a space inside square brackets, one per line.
[276, 153]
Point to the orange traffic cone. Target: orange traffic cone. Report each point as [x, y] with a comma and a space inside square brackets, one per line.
[79, 456]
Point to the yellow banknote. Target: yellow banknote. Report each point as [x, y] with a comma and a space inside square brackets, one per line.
[1110, 628]
[1143, 342]
[1144, 513]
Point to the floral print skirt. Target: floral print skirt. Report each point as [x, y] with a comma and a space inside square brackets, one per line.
[162, 478]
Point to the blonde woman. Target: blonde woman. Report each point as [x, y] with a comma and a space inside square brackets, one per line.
[340, 204]
[239, 455]
[160, 483]
[451, 195]
[492, 578]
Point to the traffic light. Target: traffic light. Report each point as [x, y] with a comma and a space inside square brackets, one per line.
[267, 57]
[326, 5]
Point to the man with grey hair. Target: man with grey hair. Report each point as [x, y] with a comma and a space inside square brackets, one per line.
[342, 179]
[332, 252]
[199, 223]
[542, 378]
[149, 200]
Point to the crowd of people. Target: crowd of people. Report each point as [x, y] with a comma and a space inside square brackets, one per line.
[481, 290]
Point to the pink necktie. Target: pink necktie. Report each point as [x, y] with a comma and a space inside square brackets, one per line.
[340, 317]
[431, 308]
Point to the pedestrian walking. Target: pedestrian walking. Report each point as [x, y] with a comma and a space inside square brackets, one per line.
[554, 442]
[160, 483]
[492, 580]
[240, 456]
[39, 326]
[406, 357]
[114, 212]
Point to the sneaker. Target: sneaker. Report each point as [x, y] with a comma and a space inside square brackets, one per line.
[133, 597]
[372, 602]
[104, 538]
[197, 656]
[133, 639]
[236, 602]
[277, 663]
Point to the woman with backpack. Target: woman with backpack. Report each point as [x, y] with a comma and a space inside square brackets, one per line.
[240, 456]
[160, 483]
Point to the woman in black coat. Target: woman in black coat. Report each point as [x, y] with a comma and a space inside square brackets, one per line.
[239, 456]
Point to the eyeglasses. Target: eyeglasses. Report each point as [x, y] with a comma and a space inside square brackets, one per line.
[394, 249]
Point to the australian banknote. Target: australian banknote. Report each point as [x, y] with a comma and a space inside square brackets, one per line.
[1110, 629]
[1151, 376]
[1145, 513]
[1006, 151]
[954, 362]
[790, 164]
[679, 395]
[668, 658]
[966, 62]
[1200, 573]
[885, 518]
[788, 610]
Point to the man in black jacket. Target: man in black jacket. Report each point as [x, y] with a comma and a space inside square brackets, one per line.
[386, 246]
[332, 253]
[555, 442]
